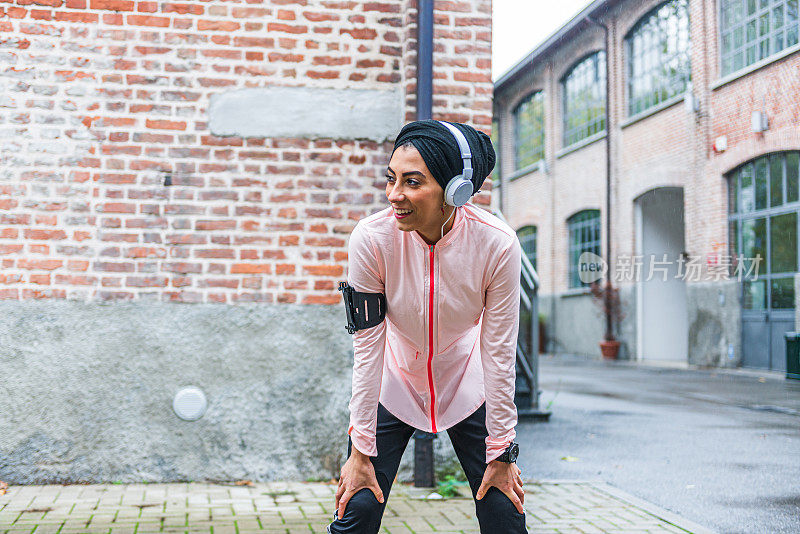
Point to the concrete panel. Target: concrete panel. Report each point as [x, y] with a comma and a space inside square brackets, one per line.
[575, 324]
[87, 392]
[307, 112]
[715, 317]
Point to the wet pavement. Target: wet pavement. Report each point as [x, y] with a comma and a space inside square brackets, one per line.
[721, 448]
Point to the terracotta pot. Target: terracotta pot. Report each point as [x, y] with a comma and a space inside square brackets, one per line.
[609, 349]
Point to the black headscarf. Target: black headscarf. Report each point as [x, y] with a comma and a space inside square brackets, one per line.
[438, 147]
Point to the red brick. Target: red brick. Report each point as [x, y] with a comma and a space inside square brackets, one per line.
[147, 20]
[112, 5]
[286, 28]
[182, 9]
[160, 124]
[218, 25]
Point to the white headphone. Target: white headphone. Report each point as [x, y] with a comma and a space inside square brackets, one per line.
[459, 188]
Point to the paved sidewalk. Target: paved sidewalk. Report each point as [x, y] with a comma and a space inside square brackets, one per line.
[295, 507]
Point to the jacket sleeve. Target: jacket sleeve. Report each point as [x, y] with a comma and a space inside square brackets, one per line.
[499, 350]
[368, 345]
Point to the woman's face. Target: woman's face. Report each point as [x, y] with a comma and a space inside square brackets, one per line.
[410, 186]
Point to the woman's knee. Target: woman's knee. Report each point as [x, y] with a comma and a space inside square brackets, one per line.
[361, 514]
[495, 508]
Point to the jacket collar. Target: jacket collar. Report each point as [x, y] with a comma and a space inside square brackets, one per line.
[458, 222]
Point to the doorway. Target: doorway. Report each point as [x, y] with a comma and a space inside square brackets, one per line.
[662, 319]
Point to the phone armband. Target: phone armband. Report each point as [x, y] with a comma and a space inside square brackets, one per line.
[364, 310]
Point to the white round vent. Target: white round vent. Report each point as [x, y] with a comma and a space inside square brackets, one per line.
[189, 404]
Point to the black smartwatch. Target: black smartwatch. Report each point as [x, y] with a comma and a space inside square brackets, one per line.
[510, 454]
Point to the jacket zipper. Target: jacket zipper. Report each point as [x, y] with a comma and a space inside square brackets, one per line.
[430, 345]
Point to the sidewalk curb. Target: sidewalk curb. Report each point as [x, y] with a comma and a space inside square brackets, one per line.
[669, 364]
[652, 509]
[657, 511]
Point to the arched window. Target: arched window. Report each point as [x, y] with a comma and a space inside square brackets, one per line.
[529, 130]
[751, 30]
[584, 235]
[584, 98]
[527, 239]
[763, 217]
[658, 56]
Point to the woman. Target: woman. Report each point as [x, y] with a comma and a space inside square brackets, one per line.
[443, 358]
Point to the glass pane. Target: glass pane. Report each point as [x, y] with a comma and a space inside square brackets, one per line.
[754, 240]
[746, 200]
[738, 60]
[783, 241]
[782, 293]
[763, 25]
[755, 295]
[791, 35]
[777, 16]
[752, 54]
[791, 22]
[775, 179]
[738, 37]
[761, 183]
[733, 187]
[734, 238]
[777, 41]
[791, 176]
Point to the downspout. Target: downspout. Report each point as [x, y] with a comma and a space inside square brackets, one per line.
[609, 319]
[424, 59]
[423, 441]
[499, 162]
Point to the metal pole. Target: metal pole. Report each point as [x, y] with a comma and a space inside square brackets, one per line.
[423, 441]
[607, 295]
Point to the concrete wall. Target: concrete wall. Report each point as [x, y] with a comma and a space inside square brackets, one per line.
[88, 388]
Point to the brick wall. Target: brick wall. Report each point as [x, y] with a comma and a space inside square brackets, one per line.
[105, 102]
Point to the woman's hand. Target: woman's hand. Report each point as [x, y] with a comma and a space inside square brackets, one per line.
[506, 477]
[357, 473]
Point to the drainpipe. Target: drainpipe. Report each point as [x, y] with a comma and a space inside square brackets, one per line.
[423, 441]
[609, 319]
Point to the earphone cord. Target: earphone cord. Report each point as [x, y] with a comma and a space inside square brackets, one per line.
[441, 234]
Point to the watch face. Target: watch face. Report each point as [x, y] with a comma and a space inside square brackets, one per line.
[514, 452]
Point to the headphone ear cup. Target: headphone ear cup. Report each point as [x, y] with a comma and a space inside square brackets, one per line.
[459, 191]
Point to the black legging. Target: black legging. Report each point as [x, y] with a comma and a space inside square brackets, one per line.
[496, 513]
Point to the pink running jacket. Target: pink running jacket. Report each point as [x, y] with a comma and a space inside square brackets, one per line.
[450, 334]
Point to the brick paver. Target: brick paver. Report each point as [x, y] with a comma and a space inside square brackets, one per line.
[295, 507]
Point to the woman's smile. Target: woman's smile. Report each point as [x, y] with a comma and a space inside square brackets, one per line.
[402, 214]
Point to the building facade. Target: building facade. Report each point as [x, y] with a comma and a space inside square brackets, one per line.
[177, 186]
[678, 123]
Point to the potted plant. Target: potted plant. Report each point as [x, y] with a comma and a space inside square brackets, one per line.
[606, 296]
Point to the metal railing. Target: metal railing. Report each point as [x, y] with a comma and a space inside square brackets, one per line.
[526, 396]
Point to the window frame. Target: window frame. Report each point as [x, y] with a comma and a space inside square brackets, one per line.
[602, 96]
[720, 7]
[534, 231]
[572, 267]
[538, 93]
[627, 43]
[766, 213]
